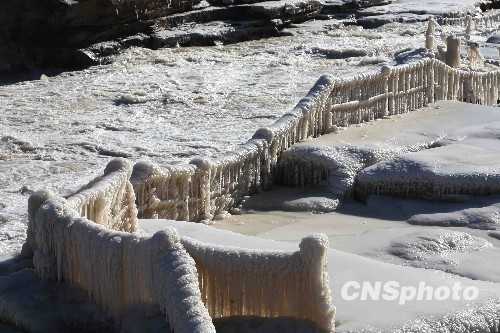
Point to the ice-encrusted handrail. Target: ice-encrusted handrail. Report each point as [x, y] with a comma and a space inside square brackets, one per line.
[188, 280]
[110, 199]
[243, 282]
[204, 188]
[120, 271]
[481, 20]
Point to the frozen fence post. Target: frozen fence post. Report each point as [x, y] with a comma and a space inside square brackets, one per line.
[430, 83]
[141, 173]
[267, 134]
[175, 285]
[474, 55]
[468, 27]
[35, 201]
[388, 100]
[430, 42]
[314, 252]
[204, 167]
[45, 219]
[453, 51]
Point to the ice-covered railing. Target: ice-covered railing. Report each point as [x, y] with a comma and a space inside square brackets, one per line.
[240, 282]
[487, 20]
[205, 188]
[393, 91]
[110, 199]
[186, 279]
[405, 88]
[120, 271]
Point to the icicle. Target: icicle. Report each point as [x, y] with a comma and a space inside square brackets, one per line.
[473, 55]
[260, 283]
[109, 200]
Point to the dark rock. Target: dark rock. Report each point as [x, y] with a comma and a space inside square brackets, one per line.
[339, 54]
[35, 33]
[77, 34]
[208, 25]
[375, 21]
[335, 7]
[209, 33]
[494, 39]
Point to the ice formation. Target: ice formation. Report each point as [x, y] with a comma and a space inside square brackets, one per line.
[119, 276]
[239, 282]
[487, 218]
[436, 246]
[468, 27]
[110, 199]
[439, 173]
[455, 252]
[475, 317]
[469, 22]
[336, 167]
[430, 42]
[474, 55]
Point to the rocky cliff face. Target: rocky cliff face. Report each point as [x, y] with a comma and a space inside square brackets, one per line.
[49, 32]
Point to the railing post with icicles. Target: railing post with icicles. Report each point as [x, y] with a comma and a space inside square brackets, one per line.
[386, 109]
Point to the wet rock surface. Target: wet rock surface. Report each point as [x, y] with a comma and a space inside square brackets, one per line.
[494, 39]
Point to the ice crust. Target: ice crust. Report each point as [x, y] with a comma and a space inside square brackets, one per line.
[451, 251]
[487, 218]
[465, 164]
